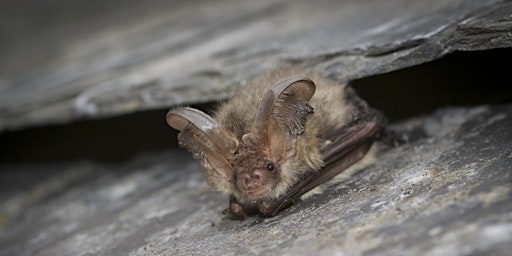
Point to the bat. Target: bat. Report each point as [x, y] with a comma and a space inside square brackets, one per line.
[277, 139]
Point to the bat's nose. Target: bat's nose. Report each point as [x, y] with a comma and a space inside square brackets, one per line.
[252, 180]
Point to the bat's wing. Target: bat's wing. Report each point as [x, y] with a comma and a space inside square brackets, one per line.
[352, 144]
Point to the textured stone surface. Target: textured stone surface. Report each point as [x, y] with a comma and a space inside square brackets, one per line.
[58, 64]
[446, 192]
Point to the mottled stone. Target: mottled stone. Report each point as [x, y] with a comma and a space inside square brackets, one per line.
[445, 192]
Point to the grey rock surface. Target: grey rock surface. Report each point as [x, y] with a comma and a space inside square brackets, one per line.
[62, 61]
[446, 192]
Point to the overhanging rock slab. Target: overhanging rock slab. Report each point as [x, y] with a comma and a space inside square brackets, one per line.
[149, 55]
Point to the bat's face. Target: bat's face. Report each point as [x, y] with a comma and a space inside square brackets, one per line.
[255, 175]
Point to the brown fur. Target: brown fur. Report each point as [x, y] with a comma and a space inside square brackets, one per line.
[335, 107]
[331, 112]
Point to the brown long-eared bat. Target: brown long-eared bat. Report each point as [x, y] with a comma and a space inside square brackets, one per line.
[272, 142]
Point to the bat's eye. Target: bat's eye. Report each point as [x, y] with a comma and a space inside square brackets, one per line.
[235, 176]
[270, 167]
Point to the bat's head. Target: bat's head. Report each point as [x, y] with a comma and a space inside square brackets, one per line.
[255, 173]
[250, 167]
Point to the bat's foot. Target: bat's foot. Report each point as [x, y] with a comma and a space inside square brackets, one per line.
[266, 209]
[272, 208]
[235, 211]
[232, 216]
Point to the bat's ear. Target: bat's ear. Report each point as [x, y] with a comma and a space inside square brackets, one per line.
[281, 117]
[209, 142]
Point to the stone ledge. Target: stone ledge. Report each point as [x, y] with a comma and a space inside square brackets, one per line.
[446, 192]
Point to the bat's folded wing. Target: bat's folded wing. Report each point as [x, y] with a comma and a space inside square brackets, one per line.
[353, 143]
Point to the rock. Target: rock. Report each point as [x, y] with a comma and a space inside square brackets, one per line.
[59, 65]
[445, 192]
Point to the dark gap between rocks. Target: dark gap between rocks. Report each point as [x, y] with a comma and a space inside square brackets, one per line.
[459, 79]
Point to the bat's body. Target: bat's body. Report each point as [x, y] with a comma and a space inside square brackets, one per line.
[275, 140]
